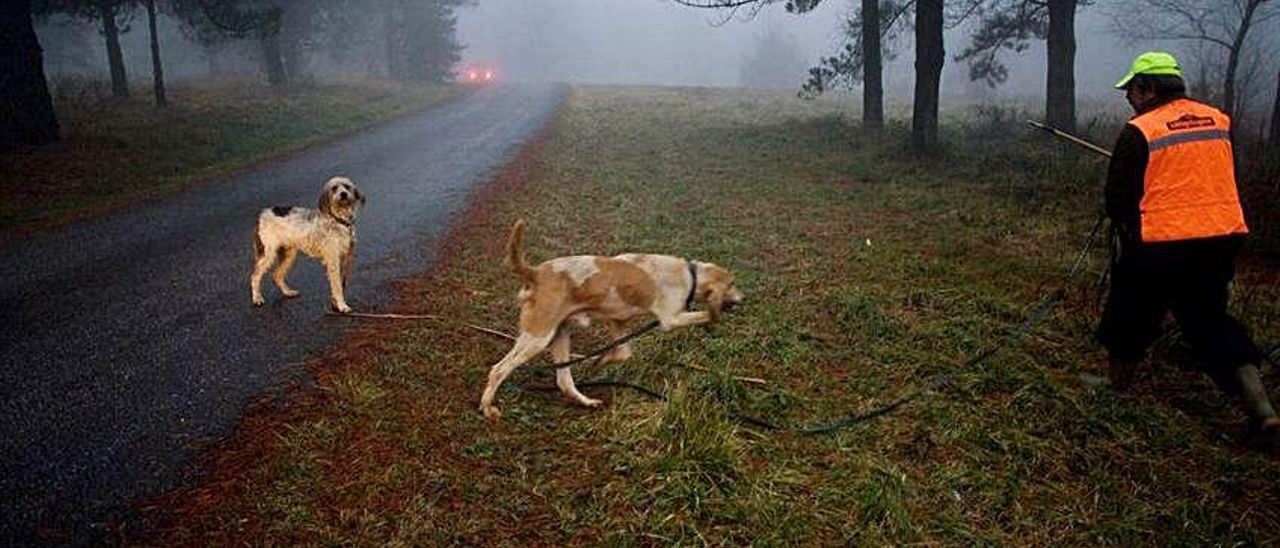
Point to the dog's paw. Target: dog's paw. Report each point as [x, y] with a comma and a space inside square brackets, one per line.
[341, 307]
[491, 413]
[259, 301]
[592, 402]
[289, 293]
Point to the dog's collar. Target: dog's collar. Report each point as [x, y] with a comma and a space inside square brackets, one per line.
[342, 221]
[693, 285]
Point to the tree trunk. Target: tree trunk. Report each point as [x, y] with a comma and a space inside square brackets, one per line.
[930, 55]
[271, 61]
[157, 71]
[388, 43]
[291, 59]
[26, 110]
[1060, 92]
[872, 70]
[1200, 87]
[391, 34]
[1233, 57]
[115, 58]
[295, 26]
[1275, 116]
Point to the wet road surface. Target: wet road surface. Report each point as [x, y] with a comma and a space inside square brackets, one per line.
[126, 340]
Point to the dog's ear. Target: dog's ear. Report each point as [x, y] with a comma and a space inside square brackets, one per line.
[325, 205]
[359, 195]
[715, 300]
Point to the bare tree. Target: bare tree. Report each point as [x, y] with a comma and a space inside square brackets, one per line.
[26, 110]
[869, 35]
[861, 58]
[392, 33]
[930, 56]
[1222, 23]
[1010, 25]
[1274, 139]
[930, 21]
[113, 15]
[420, 38]
[157, 70]
[1060, 81]
[211, 22]
[774, 62]
[872, 65]
[107, 12]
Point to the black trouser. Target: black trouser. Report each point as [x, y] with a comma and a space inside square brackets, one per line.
[1190, 278]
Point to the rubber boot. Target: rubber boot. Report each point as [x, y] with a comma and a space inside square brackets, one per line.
[1264, 425]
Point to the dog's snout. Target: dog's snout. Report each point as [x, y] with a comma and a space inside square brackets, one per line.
[342, 195]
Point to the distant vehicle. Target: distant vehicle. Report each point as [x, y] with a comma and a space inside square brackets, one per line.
[478, 75]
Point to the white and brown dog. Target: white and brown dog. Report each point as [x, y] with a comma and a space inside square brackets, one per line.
[611, 289]
[327, 233]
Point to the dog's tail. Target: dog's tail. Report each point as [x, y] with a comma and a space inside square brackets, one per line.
[515, 253]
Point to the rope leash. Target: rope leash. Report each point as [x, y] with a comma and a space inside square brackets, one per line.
[934, 382]
[598, 353]
[940, 380]
[371, 316]
[931, 383]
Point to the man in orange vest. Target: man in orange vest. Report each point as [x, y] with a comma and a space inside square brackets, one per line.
[1171, 195]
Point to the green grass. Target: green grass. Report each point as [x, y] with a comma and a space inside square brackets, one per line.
[117, 151]
[866, 269]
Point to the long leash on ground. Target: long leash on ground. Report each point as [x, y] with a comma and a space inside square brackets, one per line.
[932, 383]
[940, 380]
[598, 353]
[389, 316]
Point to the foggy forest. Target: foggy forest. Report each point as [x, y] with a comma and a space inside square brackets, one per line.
[995, 49]
[941, 272]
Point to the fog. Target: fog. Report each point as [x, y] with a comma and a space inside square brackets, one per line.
[647, 42]
[655, 42]
[642, 42]
[658, 42]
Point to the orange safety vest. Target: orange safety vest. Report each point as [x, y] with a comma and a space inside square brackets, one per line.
[1189, 190]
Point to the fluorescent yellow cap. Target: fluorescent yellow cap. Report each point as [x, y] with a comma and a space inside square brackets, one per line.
[1151, 62]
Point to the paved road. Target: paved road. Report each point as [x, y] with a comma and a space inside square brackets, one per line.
[126, 339]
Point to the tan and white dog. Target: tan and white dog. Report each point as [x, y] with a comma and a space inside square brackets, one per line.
[327, 233]
[610, 289]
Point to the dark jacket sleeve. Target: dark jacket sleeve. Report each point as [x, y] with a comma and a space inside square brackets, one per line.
[1123, 191]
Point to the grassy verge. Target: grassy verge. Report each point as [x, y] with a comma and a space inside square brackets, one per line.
[118, 151]
[866, 269]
